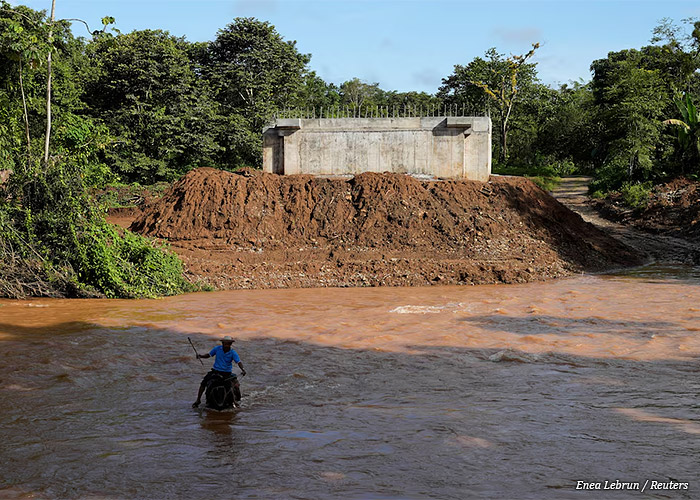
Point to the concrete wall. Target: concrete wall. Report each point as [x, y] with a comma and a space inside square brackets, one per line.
[445, 147]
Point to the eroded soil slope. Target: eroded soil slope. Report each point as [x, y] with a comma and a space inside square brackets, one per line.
[667, 228]
[673, 209]
[258, 230]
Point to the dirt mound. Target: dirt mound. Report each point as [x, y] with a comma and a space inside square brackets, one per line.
[264, 230]
[673, 209]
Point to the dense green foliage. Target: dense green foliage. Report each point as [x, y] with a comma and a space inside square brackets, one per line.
[688, 127]
[634, 93]
[147, 107]
[143, 88]
[54, 240]
[49, 223]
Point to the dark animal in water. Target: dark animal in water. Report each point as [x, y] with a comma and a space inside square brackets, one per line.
[221, 393]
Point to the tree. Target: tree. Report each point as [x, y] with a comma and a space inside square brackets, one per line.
[564, 126]
[630, 101]
[253, 70]
[527, 140]
[419, 102]
[688, 132]
[458, 88]
[357, 94]
[253, 73]
[316, 94]
[679, 56]
[49, 75]
[23, 45]
[498, 80]
[27, 40]
[53, 237]
[505, 91]
[143, 87]
[49, 70]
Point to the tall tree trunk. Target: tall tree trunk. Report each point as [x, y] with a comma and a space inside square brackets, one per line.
[504, 140]
[504, 130]
[24, 109]
[47, 141]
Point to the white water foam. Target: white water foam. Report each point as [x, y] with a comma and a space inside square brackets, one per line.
[417, 310]
[411, 309]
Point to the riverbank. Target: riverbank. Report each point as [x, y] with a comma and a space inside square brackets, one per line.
[257, 230]
[666, 231]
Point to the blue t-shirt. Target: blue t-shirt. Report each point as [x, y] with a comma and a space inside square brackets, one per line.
[224, 359]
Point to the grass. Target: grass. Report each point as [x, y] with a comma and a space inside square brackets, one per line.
[544, 177]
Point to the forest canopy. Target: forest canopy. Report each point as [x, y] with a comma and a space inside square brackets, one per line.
[78, 113]
[148, 106]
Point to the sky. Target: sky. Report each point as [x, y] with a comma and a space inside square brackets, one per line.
[407, 45]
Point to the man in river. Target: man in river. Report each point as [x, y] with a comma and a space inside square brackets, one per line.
[223, 366]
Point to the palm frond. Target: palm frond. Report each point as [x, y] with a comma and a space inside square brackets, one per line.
[678, 123]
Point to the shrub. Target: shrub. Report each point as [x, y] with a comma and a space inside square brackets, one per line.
[544, 176]
[546, 183]
[609, 178]
[49, 224]
[636, 195]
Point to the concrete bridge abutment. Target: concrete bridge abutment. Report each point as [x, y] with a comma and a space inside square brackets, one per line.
[443, 147]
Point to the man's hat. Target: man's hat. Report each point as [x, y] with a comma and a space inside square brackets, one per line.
[227, 338]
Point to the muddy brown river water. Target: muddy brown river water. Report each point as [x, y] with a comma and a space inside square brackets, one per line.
[515, 391]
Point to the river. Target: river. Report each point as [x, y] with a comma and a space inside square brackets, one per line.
[510, 391]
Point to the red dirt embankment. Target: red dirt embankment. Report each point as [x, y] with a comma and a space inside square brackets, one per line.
[258, 230]
[673, 209]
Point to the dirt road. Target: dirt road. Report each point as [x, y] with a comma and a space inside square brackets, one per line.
[573, 192]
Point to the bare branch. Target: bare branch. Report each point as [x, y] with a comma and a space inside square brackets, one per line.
[81, 21]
